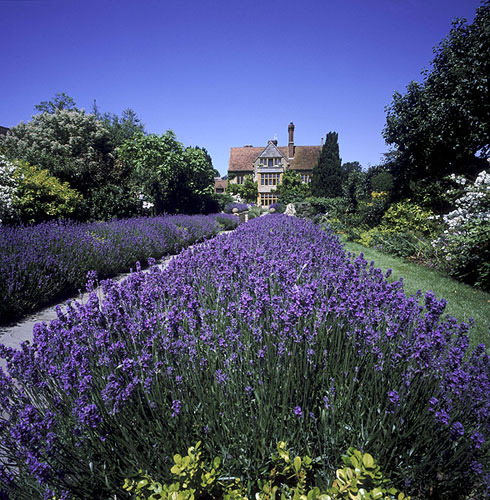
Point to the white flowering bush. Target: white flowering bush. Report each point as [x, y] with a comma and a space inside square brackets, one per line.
[72, 146]
[8, 189]
[464, 245]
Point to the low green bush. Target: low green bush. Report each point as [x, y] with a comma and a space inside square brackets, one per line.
[228, 221]
[255, 212]
[405, 216]
[289, 478]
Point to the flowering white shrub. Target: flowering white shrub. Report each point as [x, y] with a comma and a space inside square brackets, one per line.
[465, 242]
[8, 188]
[474, 203]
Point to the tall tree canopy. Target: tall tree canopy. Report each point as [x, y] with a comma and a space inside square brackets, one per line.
[328, 175]
[442, 125]
[72, 145]
[167, 175]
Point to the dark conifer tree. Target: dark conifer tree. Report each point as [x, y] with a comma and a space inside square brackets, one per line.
[327, 175]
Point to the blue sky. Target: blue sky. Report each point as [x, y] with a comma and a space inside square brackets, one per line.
[224, 73]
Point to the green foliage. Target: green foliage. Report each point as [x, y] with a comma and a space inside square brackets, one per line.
[371, 212]
[255, 212]
[464, 248]
[227, 222]
[382, 182]
[361, 479]
[292, 189]
[328, 175]
[121, 128]
[331, 206]
[355, 189]
[407, 216]
[289, 479]
[71, 145]
[248, 191]
[59, 101]
[440, 125]
[40, 196]
[167, 175]
[467, 253]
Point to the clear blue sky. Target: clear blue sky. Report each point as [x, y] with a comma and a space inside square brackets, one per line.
[224, 73]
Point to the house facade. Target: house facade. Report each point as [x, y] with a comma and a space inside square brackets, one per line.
[267, 164]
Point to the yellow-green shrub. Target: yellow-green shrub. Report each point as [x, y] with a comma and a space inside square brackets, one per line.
[40, 196]
[405, 216]
[289, 479]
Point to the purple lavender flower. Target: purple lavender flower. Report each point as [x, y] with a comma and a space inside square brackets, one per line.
[478, 439]
[176, 405]
[298, 412]
[457, 430]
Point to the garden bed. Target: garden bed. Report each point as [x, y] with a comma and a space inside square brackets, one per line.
[269, 334]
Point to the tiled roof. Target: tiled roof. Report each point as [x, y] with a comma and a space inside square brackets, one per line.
[271, 151]
[242, 159]
[220, 183]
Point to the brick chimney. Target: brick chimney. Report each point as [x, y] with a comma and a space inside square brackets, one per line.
[291, 140]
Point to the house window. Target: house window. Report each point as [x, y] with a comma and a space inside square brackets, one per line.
[271, 162]
[270, 179]
[267, 199]
[305, 178]
[239, 179]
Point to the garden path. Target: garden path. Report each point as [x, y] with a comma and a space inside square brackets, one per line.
[12, 335]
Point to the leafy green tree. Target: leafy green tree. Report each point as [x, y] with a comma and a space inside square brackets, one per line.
[167, 175]
[40, 196]
[70, 145]
[248, 191]
[76, 148]
[328, 175]
[59, 101]
[442, 125]
[121, 128]
[355, 189]
[292, 189]
[349, 167]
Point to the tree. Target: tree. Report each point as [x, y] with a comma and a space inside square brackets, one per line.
[248, 191]
[327, 175]
[292, 189]
[167, 175]
[442, 125]
[73, 147]
[60, 101]
[122, 128]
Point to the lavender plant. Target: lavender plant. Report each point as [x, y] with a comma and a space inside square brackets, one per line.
[269, 334]
[41, 263]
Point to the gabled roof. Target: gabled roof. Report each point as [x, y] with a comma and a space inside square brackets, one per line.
[242, 159]
[220, 183]
[271, 151]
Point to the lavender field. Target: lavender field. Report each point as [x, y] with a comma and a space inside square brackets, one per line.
[40, 264]
[271, 333]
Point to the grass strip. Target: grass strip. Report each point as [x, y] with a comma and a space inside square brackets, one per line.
[463, 301]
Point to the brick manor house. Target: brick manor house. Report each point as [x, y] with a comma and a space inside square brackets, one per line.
[267, 164]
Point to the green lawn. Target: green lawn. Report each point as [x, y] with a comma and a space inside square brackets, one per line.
[463, 301]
